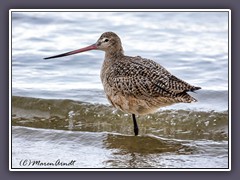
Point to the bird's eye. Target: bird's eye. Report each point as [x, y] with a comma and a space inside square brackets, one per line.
[106, 40]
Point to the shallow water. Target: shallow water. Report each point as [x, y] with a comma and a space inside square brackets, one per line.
[59, 109]
[108, 150]
[98, 136]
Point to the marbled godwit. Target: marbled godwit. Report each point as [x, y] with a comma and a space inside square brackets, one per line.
[134, 84]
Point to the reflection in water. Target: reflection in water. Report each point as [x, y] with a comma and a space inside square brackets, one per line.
[141, 144]
[140, 151]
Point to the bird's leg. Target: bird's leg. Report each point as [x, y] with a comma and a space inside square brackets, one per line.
[135, 125]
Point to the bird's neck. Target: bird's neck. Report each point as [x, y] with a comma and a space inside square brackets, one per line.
[114, 53]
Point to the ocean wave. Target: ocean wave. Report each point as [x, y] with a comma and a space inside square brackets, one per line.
[82, 116]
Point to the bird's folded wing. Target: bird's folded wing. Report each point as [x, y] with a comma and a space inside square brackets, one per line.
[143, 77]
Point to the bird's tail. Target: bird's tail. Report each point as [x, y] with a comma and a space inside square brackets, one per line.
[185, 97]
[193, 89]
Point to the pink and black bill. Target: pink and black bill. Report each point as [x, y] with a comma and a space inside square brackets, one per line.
[88, 48]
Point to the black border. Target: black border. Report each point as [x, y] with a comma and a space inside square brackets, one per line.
[214, 4]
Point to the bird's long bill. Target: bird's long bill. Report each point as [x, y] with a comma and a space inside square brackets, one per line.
[88, 48]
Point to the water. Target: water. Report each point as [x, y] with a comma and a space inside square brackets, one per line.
[60, 104]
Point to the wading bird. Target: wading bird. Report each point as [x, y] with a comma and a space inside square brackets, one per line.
[134, 84]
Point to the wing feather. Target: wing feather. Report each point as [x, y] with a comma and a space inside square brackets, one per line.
[145, 78]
